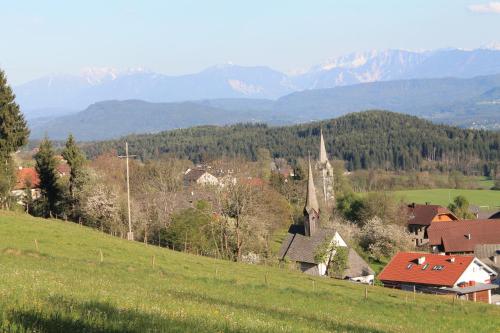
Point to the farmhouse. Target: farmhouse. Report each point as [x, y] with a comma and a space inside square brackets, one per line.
[303, 242]
[420, 218]
[464, 276]
[462, 237]
[199, 176]
[26, 179]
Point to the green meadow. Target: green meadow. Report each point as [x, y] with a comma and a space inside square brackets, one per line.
[60, 277]
[486, 199]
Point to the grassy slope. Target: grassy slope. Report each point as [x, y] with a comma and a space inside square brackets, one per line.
[65, 288]
[441, 196]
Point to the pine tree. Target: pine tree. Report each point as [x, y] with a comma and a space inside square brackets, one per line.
[13, 134]
[76, 160]
[46, 167]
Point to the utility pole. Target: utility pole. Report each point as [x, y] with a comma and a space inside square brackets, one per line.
[130, 234]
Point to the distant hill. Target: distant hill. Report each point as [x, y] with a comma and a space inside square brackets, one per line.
[372, 139]
[112, 119]
[51, 95]
[463, 102]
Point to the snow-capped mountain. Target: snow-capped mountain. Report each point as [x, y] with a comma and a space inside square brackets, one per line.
[75, 92]
[389, 65]
[58, 94]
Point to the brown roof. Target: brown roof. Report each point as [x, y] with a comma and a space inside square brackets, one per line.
[424, 214]
[463, 236]
[298, 247]
[26, 176]
[194, 174]
[404, 267]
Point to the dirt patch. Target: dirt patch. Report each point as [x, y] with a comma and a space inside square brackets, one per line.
[12, 252]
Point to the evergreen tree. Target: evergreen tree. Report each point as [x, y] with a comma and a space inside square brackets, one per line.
[75, 158]
[13, 134]
[46, 167]
[77, 178]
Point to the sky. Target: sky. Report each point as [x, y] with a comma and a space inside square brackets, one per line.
[186, 36]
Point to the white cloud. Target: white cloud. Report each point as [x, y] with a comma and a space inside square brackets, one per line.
[490, 7]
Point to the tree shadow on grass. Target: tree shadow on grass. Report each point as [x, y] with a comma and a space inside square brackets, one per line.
[64, 315]
[61, 314]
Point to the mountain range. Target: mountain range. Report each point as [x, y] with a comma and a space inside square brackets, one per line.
[57, 95]
[471, 102]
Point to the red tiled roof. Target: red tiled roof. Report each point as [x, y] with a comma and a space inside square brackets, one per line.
[404, 268]
[455, 236]
[253, 181]
[424, 214]
[25, 176]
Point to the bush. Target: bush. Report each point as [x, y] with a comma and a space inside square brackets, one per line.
[384, 240]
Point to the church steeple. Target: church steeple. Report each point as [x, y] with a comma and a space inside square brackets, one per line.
[311, 209]
[323, 158]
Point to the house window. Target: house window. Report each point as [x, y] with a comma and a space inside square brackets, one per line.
[438, 268]
[410, 265]
[425, 267]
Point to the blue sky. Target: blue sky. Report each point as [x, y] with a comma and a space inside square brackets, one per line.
[178, 37]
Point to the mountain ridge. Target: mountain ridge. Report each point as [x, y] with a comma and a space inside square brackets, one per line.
[73, 92]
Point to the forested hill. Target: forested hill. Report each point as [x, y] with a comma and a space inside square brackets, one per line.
[371, 139]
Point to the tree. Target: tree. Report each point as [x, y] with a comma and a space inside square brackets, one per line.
[460, 207]
[76, 161]
[46, 168]
[383, 240]
[13, 135]
[339, 262]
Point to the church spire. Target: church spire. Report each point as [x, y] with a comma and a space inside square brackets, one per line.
[311, 209]
[323, 158]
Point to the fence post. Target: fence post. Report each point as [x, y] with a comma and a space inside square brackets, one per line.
[366, 293]
[36, 246]
[101, 255]
[153, 261]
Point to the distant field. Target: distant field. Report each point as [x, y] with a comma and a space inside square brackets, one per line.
[486, 199]
[64, 287]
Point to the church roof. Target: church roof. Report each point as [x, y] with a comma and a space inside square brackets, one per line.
[356, 266]
[301, 248]
[311, 199]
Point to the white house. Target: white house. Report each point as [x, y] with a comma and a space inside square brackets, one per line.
[465, 276]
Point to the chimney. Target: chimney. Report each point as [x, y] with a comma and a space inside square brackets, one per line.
[452, 260]
[468, 236]
[421, 260]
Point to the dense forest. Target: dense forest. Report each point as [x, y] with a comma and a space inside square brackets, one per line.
[365, 140]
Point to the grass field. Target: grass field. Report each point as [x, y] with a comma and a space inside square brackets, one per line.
[64, 287]
[482, 198]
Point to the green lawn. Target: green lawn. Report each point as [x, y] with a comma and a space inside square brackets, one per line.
[64, 287]
[487, 199]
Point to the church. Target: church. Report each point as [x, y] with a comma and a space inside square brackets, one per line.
[303, 240]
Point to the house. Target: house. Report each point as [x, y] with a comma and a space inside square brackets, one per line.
[199, 176]
[461, 237]
[303, 242]
[464, 276]
[420, 218]
[490, 255]
[26, 178]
